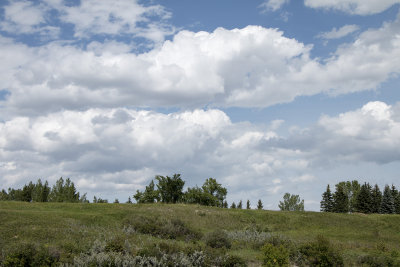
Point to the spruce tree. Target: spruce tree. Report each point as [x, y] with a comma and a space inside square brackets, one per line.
[376, 199]
[397, 204]
[327, 200]
[225, 204]
[387, 206]
[233, 206]
[248, 205]
[340, 201]
[240, 205]
[364, 201]
[259, 205]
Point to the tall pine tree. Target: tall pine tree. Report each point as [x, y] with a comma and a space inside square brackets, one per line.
[259, 205]
[327, 200]
[387, 206]
[340, 200]
[364, 201]
[376, 199]
[248, 205]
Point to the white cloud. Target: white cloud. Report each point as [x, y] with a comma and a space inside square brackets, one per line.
[24, 17]
[117, 17]
[358, 7]
[339, 33]
[273, 5]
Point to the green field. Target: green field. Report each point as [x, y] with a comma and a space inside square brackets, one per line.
[67, 230]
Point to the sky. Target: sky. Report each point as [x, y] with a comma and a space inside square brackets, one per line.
[266, 96]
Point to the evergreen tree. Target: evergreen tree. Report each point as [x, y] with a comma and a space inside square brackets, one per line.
[387, 206]
[351, 189]
[233, 206]
[240, 205]
[3, 195]
[327, 200]
[65, 192]
[116, 201]
[259, 205]
[225, 205]
[364, 201]
[248, 204]
[340, 200]
[376, 199]
[129, 200]
[40, 192]
[397, 204]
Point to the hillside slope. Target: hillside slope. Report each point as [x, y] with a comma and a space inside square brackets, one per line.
[70, 229]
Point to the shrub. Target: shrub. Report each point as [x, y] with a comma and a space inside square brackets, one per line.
[115, 245]
[218, 239]
[379, 258]
[29, 255]
[320, 253]
[171, 229]
[233, 261]
[274, 255]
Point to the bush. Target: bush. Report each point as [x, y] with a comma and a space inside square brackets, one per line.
[29, 255]
[115, 245]
[320, 253]
[380, 258]
[233, 261]
[171, 229]
[274, 255]
[218, 239]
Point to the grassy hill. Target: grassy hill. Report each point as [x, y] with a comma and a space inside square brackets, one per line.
[70, 232]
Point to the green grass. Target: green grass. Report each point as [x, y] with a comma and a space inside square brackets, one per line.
[72, 228]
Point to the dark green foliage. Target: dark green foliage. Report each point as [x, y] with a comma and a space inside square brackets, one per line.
[376, 199]
[40, 192]
[150, 195]
[215, 189]
[351, 189]
[274, 255]
[340, 200]
[170, 188]
[397, 204]
[291, 203]
[248, 205]
[64, 192]
[99, 200]
[259, 205]
[233, 261]
[225, 205]
[320, 253]
[116, 201]
[196, 195]
[380, 259]
[218, 239]
[240, 205]
[27, 255]
[387, 206]
[327, 200]
[115, 245]
[233, 206]
[171, 229]
[129, 200]
[3, 195]
[364, 198]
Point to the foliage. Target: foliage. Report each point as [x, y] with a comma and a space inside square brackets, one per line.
[340, 200]
[171, 229]
[320, 253]
[29, 255]
[364, 198]
[233, 205]
[218, 239]
[215, 189]
[327, 200]
[376, 199]
[99, 200]
[248, 205]
[259, 205]
[65, 192]
[170, 188]
[150, 195]
[291, 203]
[274, 255]
[240, 205]
[387, 205]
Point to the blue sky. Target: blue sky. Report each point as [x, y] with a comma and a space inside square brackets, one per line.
[268, 96]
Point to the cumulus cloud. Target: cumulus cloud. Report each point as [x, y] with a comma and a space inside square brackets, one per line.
[249, 67]
[272, 5]
[123, 148]
[339, 33]
[358, 7]
[117, 17]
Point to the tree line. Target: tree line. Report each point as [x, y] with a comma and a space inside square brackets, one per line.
[62, 191]
[350, 196]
